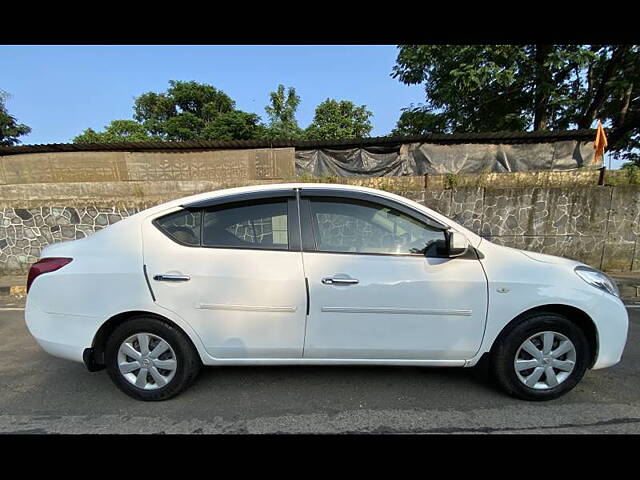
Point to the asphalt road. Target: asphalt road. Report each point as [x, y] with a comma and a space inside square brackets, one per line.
[43, 394]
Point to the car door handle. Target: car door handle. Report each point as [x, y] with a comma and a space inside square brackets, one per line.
[165, 277]
[339, 281]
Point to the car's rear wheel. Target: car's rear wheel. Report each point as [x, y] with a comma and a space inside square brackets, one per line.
[150, 359]
[542, 357]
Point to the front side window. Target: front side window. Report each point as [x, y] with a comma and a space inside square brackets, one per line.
[363, 227]
[182, 226]
[250, 226]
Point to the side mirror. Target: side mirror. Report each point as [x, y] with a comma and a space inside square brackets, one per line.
[457, 244]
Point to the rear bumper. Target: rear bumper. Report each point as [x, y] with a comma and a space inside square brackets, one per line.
[61, 335]
[61, 350]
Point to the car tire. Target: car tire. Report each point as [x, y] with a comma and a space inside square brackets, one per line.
[167, 373]
[524, 366]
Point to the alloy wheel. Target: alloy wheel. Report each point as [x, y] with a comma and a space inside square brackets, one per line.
[147, 361]
[545, 360]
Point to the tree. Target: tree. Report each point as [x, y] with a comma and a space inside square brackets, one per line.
[475, 88]
[183, 112]
[236, 125]
[10, 129]
[186, 111]
[339, 120]
[116, 131]
[282, 114]
[415, 121]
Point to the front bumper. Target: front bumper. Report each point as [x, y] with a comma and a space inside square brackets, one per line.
[612, 325]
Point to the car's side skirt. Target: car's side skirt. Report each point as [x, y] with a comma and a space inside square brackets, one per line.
[334, 361]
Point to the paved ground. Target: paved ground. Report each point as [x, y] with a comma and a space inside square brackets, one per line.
[40, 393]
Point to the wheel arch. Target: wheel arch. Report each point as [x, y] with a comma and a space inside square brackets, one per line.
[574, 314]
[95, 358]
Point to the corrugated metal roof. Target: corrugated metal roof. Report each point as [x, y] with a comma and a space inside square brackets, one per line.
[491, 137]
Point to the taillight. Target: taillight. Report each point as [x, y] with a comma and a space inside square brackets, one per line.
[45, 265]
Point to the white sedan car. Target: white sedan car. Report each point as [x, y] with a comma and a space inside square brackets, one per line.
[314, 274]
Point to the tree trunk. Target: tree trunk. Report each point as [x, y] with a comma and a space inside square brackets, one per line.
[543, 82]
[632, 120]
[600, 94]
[624, 107]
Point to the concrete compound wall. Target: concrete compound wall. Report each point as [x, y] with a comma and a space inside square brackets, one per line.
[599, 225]
[71, 167]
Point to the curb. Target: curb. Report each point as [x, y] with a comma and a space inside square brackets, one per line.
[13, 291]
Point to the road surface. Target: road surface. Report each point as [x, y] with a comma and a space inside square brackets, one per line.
[43, 394]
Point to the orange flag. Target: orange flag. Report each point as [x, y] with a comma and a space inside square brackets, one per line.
[600, 144]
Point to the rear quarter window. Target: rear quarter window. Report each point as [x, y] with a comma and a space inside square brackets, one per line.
[182, 227]
[254, 225]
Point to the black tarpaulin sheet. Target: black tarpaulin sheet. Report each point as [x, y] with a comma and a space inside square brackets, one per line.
[352, 162]
[428, 158]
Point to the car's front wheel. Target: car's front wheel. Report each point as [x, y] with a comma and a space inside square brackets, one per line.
[150, 360]
[542, 357]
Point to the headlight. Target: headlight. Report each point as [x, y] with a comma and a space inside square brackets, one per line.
[597, 279]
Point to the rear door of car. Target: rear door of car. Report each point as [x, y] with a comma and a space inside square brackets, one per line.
[233, 270]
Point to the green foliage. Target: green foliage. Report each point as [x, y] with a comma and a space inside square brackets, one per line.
[116, 131]
[339, 120]
[282, 114]
[186, 111]
[465, 85]
[235, 125]
[476, 88]
[631, 174]
[10, 129]
[183, 126]
[183, 112]
[631, 151]
[415, 121]
[196, 111]
[451, 180]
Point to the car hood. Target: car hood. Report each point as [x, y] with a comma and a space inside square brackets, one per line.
[535, 256]
[544, 258]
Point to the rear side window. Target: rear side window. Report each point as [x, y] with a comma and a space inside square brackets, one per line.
[182, 226]
[262, 226]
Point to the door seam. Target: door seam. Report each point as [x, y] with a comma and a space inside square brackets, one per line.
[304, 272]
[146, 277]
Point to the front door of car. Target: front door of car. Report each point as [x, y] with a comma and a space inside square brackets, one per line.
[234, 272]
[381, 287]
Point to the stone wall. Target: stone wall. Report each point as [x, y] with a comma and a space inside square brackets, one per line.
[596, 225]
[599, 225]
[25, 231]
